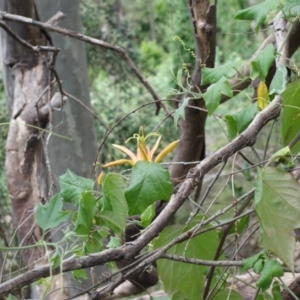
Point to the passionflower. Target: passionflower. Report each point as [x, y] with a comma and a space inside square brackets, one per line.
[144, 152]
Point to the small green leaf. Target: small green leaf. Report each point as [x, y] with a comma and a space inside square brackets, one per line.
[272, 268]
[180, 111]
[238, 122]
[94, 243]
[149, 182]
[258, 266]
[290, 115]
[148, 215]
[240, 225]
[278, 212]
[278, 83]
[114, 242]
[86, 212]
[291, 8]
[72, 186]
[257, 12]
[213, 75]
[79, 274]
[249, 262]
[276, 293]
[261, 64]
[231, 126]
[114, 213]
[55, 259]
[212, 95]
[51, 215]
[282, 156]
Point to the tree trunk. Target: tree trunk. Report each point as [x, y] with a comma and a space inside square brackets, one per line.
[26, 76]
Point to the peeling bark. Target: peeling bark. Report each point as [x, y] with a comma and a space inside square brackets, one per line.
[26, 77]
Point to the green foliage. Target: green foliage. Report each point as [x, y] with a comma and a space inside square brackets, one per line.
[261, 64]
[50, 215]
[278, 209]
[258, 12]
[238, 122]
[182, 280]
[291, 8]
[213, 75]
[267, 267]
[290, 116]
[114, 210]
[213, 94]
[278, 84]
[86, 212]
[72, 186]
[149, 182]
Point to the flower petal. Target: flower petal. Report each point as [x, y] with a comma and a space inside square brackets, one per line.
[154, 148]
[165, 151]
[142, 152]
[119, 162]
[127, 151]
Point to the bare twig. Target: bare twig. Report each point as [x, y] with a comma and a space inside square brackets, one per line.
[121, 52]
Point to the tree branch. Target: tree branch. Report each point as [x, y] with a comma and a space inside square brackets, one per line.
[121, 52]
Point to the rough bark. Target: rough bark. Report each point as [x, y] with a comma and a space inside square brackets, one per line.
[192, 137]
[26, 76]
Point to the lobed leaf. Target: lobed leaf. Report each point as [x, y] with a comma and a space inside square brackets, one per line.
[51, 215]
[257, 12]
[278, 209]
[149, 182]
[72, 186]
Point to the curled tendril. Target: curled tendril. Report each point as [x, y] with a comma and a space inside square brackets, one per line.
[176, 38]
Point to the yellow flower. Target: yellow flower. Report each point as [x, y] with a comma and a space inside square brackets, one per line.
[143, 151]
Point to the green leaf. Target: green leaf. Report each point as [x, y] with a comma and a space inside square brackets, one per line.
[51, 215]
[79, 274]
[238, 122]
[258, 186]
[261, 64]
[94, 243]
[180, 111]
[257, 12]
[272, 268]
[291, 8]
[249, 262]
[187, 279]
[115, 212]
[114, 242]
[86, 212]
[290, 115]
[278, 83]
[148, 215]
[55, 259]
[278, 211]
[240, 225]
[149, 182]
[282, 156]
[213, 75]
[72, 186]
[231, 126]
[258, 266]
[212, 95]
[276, 293]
